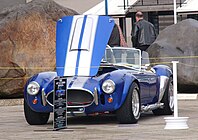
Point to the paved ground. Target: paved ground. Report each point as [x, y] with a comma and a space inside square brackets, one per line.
[149, 127]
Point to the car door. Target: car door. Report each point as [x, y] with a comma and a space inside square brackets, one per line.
[152, 78]
[150, 75]
[148, 88]
[143, 79]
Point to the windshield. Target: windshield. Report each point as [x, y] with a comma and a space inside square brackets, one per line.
[123, 56]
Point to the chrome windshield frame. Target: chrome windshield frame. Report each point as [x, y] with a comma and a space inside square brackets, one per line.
[125, 64]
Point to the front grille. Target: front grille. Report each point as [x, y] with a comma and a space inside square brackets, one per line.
[75, 98]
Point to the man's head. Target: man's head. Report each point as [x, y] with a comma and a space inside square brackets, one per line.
[139, 16]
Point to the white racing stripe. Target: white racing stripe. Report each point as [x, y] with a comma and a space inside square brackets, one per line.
[86, 47]
[88, 42]
[79, 82]
[71, 56]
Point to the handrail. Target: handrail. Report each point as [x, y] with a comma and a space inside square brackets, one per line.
[126, 3]
[142, 3]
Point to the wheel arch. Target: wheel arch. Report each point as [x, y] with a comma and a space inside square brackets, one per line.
[43, 79]
[163, 70]
[129, 80]
[129, 112]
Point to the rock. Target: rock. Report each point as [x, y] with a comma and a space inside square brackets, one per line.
[179, 42]
[27, 43]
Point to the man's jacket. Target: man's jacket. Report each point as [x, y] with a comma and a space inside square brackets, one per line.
[143, 33]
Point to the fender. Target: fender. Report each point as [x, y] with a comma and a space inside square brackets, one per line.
[123, 82]
[163, 70]
[43, 79]
[164, 73]
[128, 80]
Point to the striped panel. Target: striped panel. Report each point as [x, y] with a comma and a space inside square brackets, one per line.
[84, 44]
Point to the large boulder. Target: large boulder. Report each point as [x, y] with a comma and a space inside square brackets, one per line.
[27, 43]
[179, 42]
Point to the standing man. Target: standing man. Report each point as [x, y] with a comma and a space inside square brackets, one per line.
[143, 34]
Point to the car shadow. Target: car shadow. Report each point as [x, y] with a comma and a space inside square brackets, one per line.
[102, 119]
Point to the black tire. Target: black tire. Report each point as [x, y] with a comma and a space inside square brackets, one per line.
[167, 100]
[127, 114]
[35, 118]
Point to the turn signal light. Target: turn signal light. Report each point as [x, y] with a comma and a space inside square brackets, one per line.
[35, 101]
[110, 99]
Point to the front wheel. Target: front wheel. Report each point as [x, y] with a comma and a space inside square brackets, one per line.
[168, 101]
[129, 112]
[35, 118]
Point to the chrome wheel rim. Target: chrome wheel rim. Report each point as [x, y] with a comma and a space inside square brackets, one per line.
[135, 104]
[171, 96]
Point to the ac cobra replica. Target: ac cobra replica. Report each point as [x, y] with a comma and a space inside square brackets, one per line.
[124, 84]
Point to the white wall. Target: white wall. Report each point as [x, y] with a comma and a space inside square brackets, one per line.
[80, 6]
[128, 31]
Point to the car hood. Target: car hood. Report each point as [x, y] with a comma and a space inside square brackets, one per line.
[80, 44]
[75, 82]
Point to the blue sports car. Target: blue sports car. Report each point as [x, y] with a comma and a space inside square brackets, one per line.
[118, 80]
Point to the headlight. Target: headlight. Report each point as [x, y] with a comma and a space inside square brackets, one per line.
[33, 88]
[108, 86]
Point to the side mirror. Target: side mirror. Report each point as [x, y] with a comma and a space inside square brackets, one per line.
[148, 66]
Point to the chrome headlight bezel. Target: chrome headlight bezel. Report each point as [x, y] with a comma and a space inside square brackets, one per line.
[33, 88]
[108, 86]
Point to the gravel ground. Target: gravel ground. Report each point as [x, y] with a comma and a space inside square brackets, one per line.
[14, 127]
